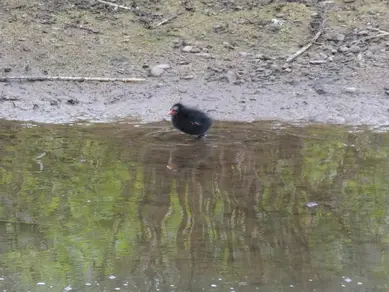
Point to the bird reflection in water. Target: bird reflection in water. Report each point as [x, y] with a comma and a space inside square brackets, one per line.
[189, 156]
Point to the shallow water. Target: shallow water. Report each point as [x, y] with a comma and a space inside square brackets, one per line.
[133, 207]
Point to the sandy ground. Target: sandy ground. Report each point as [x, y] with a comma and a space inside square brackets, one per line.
[226, 57]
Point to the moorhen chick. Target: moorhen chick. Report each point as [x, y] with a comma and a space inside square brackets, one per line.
[190, 121]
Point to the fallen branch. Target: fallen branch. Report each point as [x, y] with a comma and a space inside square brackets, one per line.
[114, 5]
[382, 33]
[169, 19]
[307, 46]
[91, 30]
[378, 30]
[69, 78]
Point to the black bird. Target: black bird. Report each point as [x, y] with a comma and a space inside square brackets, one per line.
[190, 121]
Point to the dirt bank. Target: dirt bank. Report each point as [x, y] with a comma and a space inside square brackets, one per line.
[228, 57]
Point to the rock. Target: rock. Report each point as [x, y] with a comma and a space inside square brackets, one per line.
[319, 88]
[159, 69]
[195, 50]
[228, 46]
[53, 102]
[243, 54]
[187, 49]
[285, 66]
[275, 67]
[355, 49]
[205, 55]
[7, 69]
[231, 76]
[363, 32]
[343, 49]
[350, 90]
[187, 77]
[369, 54]
[219, 28]
[337, 37]
[72, 101]
[317, 62]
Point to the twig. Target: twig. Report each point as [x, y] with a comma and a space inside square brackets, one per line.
[382, 33]
[169, 19]
[378, 30]
[114, 5]
[69, 78]
[307, 46]
[8, 99]
[95, 31]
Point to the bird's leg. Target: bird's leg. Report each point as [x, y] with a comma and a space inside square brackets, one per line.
[202, 136]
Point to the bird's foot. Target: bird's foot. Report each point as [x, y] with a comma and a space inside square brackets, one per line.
[202, 136]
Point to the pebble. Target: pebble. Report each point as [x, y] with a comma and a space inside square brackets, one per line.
[350, 90]
[275, 67]
[369, 54]
[195, 50]
[159, 69]
[343, 49]
[7, 70]
[187, 49]
[231, 76]
[205, 55]
[317, 62]
[228, 46]
[355, 49]
[243, 54]
[338, 37]
[319, 88]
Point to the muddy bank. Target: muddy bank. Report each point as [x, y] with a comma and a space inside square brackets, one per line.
[226, 58]
[348, 103]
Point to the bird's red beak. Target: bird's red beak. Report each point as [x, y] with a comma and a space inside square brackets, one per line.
[172, 112]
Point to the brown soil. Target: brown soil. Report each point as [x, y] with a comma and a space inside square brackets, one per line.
[225, 56]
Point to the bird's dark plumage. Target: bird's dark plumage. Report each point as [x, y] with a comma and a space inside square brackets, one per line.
[190, 121]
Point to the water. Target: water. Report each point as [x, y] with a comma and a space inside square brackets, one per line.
[255, 207]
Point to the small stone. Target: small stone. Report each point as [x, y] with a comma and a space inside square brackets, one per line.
[187, 49]
[350, 90]
[243, 54]
[72, 101]
[228, 46]
[317, 62]
[187, 77]
[53, 102]
[231, 76]
[205, 55]
[195, 50]
[355, 49]
[285, 65]
[319, 88]
[363, 32]
[343, 49]
[159, 69]
[337, 37]
[275, 67]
